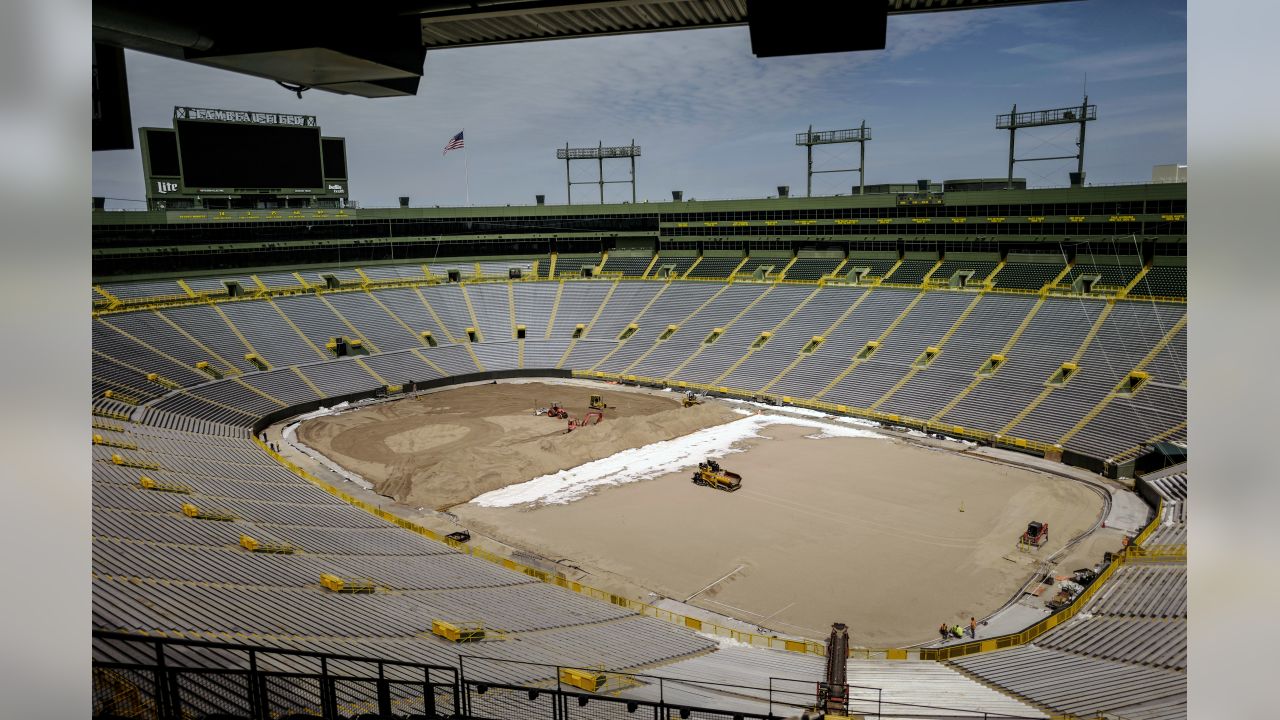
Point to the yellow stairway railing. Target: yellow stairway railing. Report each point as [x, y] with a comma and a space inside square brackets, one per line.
[703, 346]
[772, 331]
[1075, 359]
[853, 365]
[1102, 404]
[1008, 346]
[940, 345]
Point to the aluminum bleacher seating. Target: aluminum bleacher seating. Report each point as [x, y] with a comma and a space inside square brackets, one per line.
[1020, 275]
[571, 265]
[679, 263]
[911, 272]
[628, 265]
[716, 266]
[1163, 281]
[982, 269]
[812, 268]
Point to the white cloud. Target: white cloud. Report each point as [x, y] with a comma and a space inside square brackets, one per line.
[1131, 63]
[1040, 51]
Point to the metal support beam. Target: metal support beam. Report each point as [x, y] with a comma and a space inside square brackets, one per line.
[1084, 113]
[862, 160]
[1012, 144]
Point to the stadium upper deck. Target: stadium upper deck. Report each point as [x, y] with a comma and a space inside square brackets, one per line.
[1145, 219]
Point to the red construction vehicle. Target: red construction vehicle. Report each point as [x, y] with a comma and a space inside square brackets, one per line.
[592, 418]
[1036, 535]
[557, 411]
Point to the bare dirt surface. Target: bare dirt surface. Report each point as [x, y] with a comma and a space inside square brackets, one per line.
[444, 448]
[864, 531]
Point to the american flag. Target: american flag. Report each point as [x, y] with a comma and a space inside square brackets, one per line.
[454, 143]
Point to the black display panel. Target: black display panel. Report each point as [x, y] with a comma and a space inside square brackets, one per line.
[162, 151]
[335, 158]
[112, 121]
[227, 155]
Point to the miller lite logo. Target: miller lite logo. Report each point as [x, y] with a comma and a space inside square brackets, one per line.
[164, 186]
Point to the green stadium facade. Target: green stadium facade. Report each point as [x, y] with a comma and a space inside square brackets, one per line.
[1144, 220]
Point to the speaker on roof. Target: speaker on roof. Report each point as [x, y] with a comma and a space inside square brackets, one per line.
[677, 195]
[541, 199]
[803, 27]
[404, 201]
[784, 191]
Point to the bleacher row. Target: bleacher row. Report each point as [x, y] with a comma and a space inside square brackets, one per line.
[1165, 281]
[1036, 336]
[156, 570]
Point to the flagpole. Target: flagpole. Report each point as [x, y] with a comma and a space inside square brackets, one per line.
[466, 164]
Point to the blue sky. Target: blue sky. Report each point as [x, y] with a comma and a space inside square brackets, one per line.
[716, 122]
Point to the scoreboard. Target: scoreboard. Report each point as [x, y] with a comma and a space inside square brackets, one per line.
[239, 159]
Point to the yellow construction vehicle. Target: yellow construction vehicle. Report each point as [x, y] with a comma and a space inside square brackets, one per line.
[598, 403]
[710, 473]
[690, 399]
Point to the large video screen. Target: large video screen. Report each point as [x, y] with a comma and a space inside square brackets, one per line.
[225, 156]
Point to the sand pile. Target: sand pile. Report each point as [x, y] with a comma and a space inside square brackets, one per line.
[447, 448]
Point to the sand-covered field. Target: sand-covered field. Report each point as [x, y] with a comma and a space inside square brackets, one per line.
[444, 448]
[862, 530]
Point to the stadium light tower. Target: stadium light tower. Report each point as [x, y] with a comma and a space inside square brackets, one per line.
[1081, 114]
[599, 153]
[860, 135]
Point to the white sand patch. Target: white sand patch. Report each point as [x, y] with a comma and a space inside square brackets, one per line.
[653, 460]
[805, 412]
[844, 419]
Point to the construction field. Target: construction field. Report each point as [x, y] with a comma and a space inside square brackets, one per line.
[444, 448]
[832, 523]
